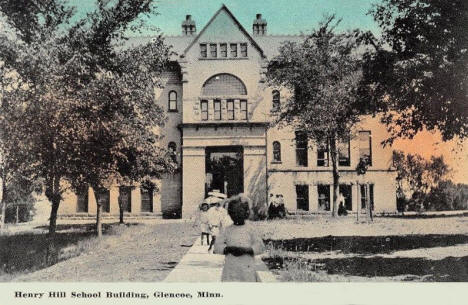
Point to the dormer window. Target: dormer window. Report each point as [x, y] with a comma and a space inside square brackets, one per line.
[243, 47]
[233, 50]
[276, 102]
[213, 50]
[203, 50]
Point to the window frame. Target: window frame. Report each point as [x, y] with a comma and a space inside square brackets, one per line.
[233, 48]
[276, 149]
[301, 150]
[363, 197]
[361, 155]
[84, 195]
[231, 114]
[276, 100]
[213, 50]
[223, 50]
[243, 112]
[217, 114]
[149, 192]
[170, 101]
[344, 161]
[244, 50]
[327, 187]
[305, 198]
[172, 149]
[203, 50]
[128, 204]
[204, 111]
[105, 207]
[323, 148]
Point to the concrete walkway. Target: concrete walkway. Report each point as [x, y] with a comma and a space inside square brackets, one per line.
[200, 266]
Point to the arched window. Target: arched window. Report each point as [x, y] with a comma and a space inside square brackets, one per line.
[276, 102]
[172, 148]
[172, 101]
[276, 151]
[222, 85]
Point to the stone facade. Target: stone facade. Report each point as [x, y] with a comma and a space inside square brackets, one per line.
[218, 109]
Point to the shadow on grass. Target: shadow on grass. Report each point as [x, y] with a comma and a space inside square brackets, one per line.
[367, 244]
[24, 253]
[449, 269]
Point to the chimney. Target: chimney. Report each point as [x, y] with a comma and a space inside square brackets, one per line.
[188, 26]
[259, 26]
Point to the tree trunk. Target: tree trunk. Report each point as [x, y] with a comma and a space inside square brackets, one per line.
[358, 201]
[53, 216]
[121, 211]
[98, 219]
[336, 175]
[52, 254]
[3, 202]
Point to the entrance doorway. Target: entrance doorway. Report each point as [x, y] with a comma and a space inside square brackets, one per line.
[224, 170]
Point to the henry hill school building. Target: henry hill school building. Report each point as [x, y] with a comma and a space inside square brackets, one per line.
[219, 107]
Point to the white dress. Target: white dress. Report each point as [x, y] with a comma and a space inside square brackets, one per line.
[239, 268]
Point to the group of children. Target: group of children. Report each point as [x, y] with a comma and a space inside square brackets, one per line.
[232, 236]
[276, 206]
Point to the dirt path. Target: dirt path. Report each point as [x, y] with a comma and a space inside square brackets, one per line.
[142, 253]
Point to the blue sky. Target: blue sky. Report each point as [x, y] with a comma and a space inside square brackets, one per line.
[283, 16]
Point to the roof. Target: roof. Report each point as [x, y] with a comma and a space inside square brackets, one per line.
[268, 45]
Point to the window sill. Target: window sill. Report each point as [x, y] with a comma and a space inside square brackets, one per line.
[173, 110]
[276, 162]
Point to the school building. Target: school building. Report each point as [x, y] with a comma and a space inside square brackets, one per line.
[219, 108]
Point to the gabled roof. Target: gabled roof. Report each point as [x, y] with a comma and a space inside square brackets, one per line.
[239, 25]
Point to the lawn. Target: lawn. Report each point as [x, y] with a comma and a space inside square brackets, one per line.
[144, 252]
[314, 248]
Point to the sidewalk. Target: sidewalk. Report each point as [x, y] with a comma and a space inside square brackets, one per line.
[200, 266]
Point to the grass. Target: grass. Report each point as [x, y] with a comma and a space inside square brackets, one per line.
[26, 253]
[321, 249]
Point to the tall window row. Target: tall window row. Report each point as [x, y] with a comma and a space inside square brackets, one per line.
[324, 196]
[218, 114]
[323, 150]
[125, 199]
[223, 50]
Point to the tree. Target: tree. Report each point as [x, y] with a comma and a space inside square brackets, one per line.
[88, 115]
[417, 71]
[323, 75]
[417, 176]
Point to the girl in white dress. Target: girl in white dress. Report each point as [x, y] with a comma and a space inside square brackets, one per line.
[240, 243]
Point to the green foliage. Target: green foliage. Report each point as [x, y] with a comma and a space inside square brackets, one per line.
[418, 69]
[447, 196]
[324, 75]
[416, 177]
[82, 111]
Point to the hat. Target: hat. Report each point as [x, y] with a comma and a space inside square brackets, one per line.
[218, 194]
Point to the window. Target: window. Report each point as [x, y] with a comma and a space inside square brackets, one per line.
[233, 47]
[343, 153]
[243, 48]
[125, 198]
[345, 190]
[213, 50]
[82, 200]
[172, 148]
[364, 196]
[203, 50]
[302, 197]
[301, 149]
[230, 110]
[172, 101]
[217, 109]
[365, 146]
[243, 110]
[223, 49]
[276, 151]
[276, 100]
[223, 84]
[322, 154]
[323, 192]
[104, 198]
[204, 110]
[146, 200]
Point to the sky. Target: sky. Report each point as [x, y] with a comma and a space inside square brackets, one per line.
[283, 16]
